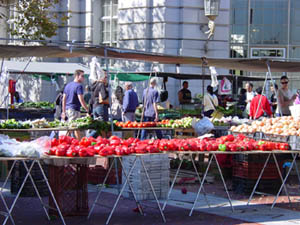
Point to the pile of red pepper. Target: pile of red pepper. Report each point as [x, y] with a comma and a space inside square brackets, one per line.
[89, 146]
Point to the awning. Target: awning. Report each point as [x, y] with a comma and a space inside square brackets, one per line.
[183, 76]
[255, 65]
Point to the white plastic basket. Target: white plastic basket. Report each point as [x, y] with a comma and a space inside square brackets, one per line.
[295, 110]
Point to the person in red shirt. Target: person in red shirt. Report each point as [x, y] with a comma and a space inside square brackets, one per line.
[260, 105]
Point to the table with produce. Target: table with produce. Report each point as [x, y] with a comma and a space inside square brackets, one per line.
[66, 147]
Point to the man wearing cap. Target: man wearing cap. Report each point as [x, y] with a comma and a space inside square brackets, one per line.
[150, 100]
[130, 102]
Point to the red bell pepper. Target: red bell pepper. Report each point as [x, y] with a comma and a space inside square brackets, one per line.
[71, 152]
[140, 149]
[284, 146]
[54, 142]
[85, 142]
[83, 152]
[60, 152]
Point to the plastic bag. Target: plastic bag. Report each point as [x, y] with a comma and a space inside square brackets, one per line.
[203, 126]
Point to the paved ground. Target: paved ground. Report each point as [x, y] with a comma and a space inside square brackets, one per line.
[29, 210]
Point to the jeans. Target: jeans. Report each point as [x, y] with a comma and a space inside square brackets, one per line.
[144, 132]
[128, 116]
[101, 112]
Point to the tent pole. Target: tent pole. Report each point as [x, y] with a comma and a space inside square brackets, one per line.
[203, 79]
[109, 89]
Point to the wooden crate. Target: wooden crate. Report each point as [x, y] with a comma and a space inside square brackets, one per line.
[184, 133]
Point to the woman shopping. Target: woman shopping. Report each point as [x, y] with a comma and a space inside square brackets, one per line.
[210, 102]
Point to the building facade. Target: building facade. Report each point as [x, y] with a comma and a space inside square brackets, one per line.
[244, 29]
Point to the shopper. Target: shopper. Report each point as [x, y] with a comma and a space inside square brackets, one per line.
[130, 103]
[116, 103]
[242, 99]
[260, 106]
[100, 99]
[273, 99]
[73, 99]
[297, 100]
[87, 95]
[210, 102]
[249, 96]
[150, 100]
[285, 98]
[185, 95]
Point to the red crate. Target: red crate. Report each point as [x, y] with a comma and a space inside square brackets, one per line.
[251, 170]
[69, 186]
[97, 174]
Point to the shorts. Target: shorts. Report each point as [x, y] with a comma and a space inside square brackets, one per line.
[72, 114]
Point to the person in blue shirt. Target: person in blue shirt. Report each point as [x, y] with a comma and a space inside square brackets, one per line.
[150, 100]
[73, 99]
[130, 103]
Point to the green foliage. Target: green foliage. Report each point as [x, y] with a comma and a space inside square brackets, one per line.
[34, 19]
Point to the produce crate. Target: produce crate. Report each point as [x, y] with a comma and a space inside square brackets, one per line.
[97, 174]
[252, 170]
[69, 185]
[184, 133]
[17, 177]
[243, 185]
[158, 169]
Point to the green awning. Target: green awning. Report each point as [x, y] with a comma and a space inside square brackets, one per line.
[129, 77]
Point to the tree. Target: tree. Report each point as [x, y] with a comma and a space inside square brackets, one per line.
[34, 19]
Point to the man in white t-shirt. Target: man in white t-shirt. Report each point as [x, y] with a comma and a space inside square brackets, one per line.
[250, 94]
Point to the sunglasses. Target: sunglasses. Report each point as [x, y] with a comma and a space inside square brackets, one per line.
[285, 82]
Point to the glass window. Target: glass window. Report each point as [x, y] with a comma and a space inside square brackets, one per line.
[109, 23]
[238, 51]
[268, 22]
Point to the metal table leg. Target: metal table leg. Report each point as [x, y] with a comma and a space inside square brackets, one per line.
[36, 190]
[122, 190]
[50, 190]
[258, 179]
[101, 188]
[280, 175]
[18, 194]
[201, 185]
[152, 189]
[1, 192]
[285, 179]
[297, 171]
[172, 185]
[224, 183]
[138, 204]
[195, 168]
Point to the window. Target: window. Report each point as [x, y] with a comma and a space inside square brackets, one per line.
[109, 22]
[268, 22]
[295, 22]
[239, 21]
